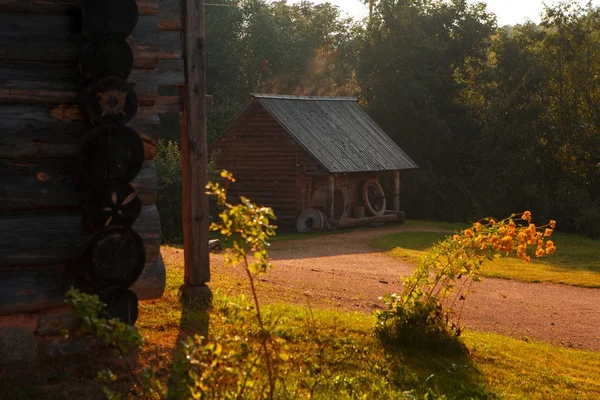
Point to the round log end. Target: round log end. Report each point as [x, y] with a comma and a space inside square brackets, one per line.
[113, 18]
[111, 100]
[110, 205]
[98, 60]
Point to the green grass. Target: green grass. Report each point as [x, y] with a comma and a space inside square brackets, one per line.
[576, 262]
[353, 363]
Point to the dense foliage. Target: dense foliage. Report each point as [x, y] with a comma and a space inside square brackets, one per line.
[498, 119]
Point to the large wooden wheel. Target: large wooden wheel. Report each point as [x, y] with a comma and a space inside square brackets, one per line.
[311, 220]
[102, 59]
[109, 18]
[112, 204]
[374, 197]
[112, 153]
[114, 257]
[111, 100]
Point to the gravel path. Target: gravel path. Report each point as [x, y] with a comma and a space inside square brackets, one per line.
[342, 271]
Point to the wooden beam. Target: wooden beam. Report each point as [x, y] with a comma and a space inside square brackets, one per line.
[396, 192]
[194, 147]
[330, 197]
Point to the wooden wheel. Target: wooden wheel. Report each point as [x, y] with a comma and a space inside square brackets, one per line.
[111, 100]
[115, 257]
[112, 153]
[112, 18]
[112, 204]
[374, 197]
[311, 220]
[102, 59]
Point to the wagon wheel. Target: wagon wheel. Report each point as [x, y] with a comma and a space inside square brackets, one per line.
[112, 204]
[311, 220]
[114, 257]
[374, 197]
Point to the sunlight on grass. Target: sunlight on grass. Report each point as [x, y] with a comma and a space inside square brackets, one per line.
[352, 363]
[576, 262]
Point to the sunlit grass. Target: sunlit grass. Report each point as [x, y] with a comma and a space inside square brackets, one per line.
[353, 363]
[576, 262]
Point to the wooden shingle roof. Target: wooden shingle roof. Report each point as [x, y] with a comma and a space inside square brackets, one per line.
[337, 133]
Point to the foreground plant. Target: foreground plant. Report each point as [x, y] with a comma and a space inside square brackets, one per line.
[444, 275]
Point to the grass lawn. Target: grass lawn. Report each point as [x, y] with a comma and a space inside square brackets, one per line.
[336, 351]
[353, 363]
[576, 262]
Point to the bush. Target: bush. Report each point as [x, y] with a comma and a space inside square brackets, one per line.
[169, 200]
[423, 314]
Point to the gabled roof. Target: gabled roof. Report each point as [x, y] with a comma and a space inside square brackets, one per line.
[336, 132]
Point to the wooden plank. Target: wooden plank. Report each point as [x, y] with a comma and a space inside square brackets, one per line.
[194, 148]
[55, 238]
[36, 131]
[146, 7]
[33, 289]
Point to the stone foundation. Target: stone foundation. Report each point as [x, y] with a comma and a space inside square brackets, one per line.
[37, 336]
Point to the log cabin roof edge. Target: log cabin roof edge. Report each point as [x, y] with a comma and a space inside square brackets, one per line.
[336, 132]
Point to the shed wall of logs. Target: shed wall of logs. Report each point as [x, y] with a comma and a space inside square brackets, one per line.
[44, 187]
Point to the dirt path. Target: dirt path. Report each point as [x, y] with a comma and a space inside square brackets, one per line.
[342, 271]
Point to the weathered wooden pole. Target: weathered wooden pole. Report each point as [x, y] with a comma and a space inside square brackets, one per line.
[194, 150]
[330, 198]
[396, 192]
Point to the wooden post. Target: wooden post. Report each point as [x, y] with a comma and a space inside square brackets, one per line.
[396, 192]
[330, 197]
[194, 151]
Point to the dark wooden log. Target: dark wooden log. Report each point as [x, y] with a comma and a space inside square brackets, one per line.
[145, 7]
[151, 284]
[42, 83]
[57, 132]
[354, 222]
[170, 46]
[169, 15]
[170, 73]
[121, 304]
[108, 18]
[112, 153]
[101, 59]
[145, 43]
[55, 38]
[56, 238]
[53, 184]
[112, 100]
[114, 257]
[33, 289]
[111, 204]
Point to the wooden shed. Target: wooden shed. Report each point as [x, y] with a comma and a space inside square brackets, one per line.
[314, 160]
[80, 84]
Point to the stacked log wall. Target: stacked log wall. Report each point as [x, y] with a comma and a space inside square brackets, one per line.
[263, 158]
[41, 131]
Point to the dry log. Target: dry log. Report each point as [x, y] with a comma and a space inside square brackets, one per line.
[354, 222]
[170, 46]
[146, 7]
[56, 38]
[54, 185]
[42, 83]
[112, 204]
[41, 239]
[101, 59]
[108, 18]
[56, 132]
[33, 289]
[114, 257]
[169, 15]
[170, 73]
[112, 153]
